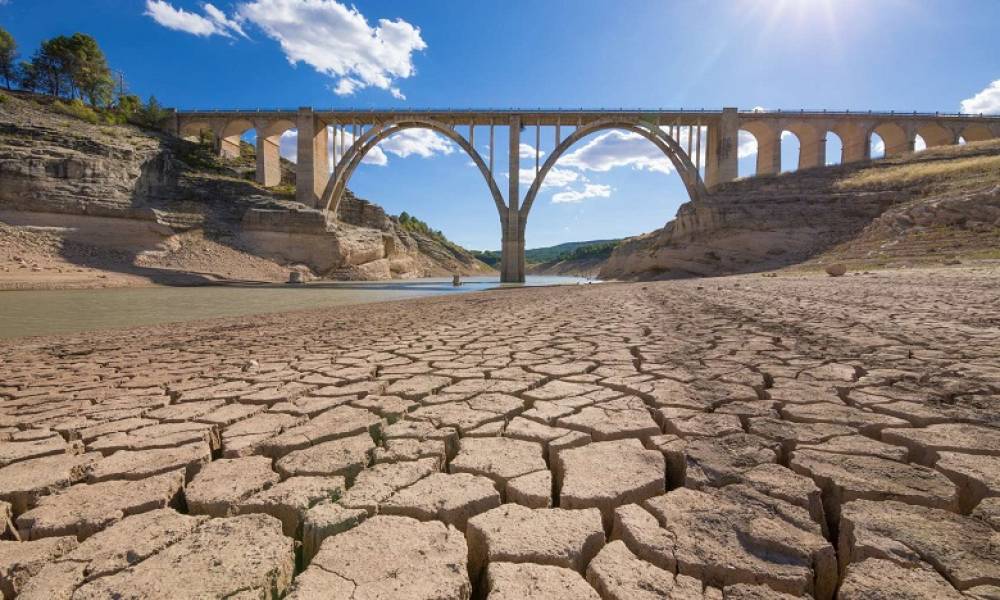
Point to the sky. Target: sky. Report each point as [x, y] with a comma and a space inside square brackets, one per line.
[922, 55]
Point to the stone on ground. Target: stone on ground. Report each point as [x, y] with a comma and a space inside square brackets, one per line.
[84, 509]
[618, 574]
[345, 457]
[223, 484]
[23, 483]
[323, 520]
[289, 500]
[613, 420]
[605, 475]
[244, 555]
[533, 490]
[388, 557]
[451, 498]
[20, 561]
[925, 443]
[133, 465]
[526, 581]
[500, 459]
[977, 476]
[965, 550]
[550, 536]
[375, 485]
[879, 579]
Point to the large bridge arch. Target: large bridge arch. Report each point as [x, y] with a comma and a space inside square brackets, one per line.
[363, 144]
[669, 146]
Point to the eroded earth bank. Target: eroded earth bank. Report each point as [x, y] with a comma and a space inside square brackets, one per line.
[748, 437]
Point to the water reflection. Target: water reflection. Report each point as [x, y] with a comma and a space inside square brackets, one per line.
[24, 313]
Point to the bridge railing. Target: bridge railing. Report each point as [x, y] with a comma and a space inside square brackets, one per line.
[547, 111]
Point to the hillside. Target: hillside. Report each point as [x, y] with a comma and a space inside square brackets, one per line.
[98, 205]
[938, 206]
[582, 259]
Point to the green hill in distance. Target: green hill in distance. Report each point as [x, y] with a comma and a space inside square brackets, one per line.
[566, 251]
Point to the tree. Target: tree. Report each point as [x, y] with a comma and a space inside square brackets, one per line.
[27, 76]
[8, 57]
[89, 70]
[74, 65]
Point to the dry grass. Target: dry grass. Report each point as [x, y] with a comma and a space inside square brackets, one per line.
[967, 170]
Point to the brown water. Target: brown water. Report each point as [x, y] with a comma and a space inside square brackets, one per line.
[44, 312]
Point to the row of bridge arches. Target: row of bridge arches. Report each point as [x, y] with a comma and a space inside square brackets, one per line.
[767, 147]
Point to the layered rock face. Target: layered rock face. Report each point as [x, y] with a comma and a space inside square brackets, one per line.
[928, 205]
[63, 174]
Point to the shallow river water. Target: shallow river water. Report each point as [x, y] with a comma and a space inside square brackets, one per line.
[44, 312]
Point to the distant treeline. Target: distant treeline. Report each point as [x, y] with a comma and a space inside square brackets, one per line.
[73, 68]
[568, 251]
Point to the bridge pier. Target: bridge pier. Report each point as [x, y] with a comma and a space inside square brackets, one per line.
[723, 145]
[268, 159]
[512, 242]
[312, 169]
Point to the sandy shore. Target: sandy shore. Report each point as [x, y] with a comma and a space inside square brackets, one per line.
[744, 437]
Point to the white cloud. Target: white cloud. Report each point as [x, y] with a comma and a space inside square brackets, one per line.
[919, 144]
[987, 101]
[424, 143]
[590, 190]
[527, 151]
[337, 40]
[556, 178]
[213, 22]
[747, 145]
[618, 149]
[878, 146]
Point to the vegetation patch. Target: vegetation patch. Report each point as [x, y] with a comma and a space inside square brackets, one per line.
[975, 168]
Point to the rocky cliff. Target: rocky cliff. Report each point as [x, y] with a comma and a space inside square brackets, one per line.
[939, 205]
[130, 202]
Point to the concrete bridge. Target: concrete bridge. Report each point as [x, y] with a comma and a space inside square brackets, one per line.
[702, 145]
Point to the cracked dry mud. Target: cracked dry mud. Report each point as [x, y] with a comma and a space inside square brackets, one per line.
[740, 438]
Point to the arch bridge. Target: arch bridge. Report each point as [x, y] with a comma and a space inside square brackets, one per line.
[702, 145]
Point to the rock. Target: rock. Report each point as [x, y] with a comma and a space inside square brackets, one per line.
[988, 511]
[418, 387]
[513, 581]
[388, 557]
[337, 423]
[500, 459]
[533, 490]
[784, 484]
[223, 484]
[84, 509]
[843, 478]
[126, 543]
[859, 445]
[721, 461]
[644, 537]
[451, 498]
[134, 465]
[729, 536]
[51, 444]
[613, 420]
[966, 551]
[605, 475]
[878, 579]
[925, 443]
[289, 500]
[344, 457]
[549, 536]
[24, 482]
[20, 561]
[245, 554]
[868, 423]
[977, 476]
[617, 574]
[703, 424]
[836, 269]
[324, 520]
[375, 485]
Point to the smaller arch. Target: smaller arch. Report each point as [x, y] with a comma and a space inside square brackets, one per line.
[768, 138]
[894, 137]
[919, 145]
[834, 148]
[228, 137]
[192, 130]
[268, 142]
[934, 135]
[977, 132]
[812, 144]
[791, 151]
[747, 146]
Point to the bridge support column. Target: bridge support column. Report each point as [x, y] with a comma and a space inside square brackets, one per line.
[723, 144]
[268, 160]
[512, 244]
[769, 153]
[312, 170]
[812, 151]
[228, 147]
[855, 144]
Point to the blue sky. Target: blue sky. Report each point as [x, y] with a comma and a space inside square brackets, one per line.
[923, 55]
